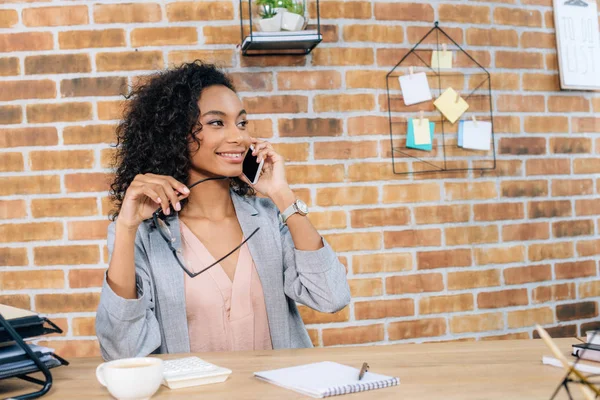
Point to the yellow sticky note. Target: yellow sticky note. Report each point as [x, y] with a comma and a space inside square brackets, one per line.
[421, 131]
[451, 105]
[441, 59]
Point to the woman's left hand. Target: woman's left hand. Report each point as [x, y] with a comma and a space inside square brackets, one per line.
[272, 178]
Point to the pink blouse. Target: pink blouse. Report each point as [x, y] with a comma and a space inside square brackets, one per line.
[223, 315]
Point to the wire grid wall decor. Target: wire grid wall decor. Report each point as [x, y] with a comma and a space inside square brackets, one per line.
[469, 79]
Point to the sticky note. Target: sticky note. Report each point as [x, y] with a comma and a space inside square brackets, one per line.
[448, 105]
[421, 131]
[477, 135]
[460, 133]
[410, 135]
[441, 59]
[415, 88]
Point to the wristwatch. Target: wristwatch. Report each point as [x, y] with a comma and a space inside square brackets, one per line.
[298, 206]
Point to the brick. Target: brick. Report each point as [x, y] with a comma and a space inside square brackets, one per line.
[541, 82]
[371, 171]
[16, 300]
[87, 230]
[310, 316]
[299, 127]
[356, 241]
[26, 41]
[519, 60]
[596, 104]
[276, 104]
[529, 188]
[292, 151]
[129, 61]
[573, 311]
[368, 125]
[353, 335]
[29, 184]
[556, 250]
[376, 309]
[587, 207]
[307, 174]
[365, 287]
[328, 219]
[89, 134]
[492, 37]
[522, 145]
[548, 166]
[586, 125]
[480, 56]
[73, 348]
[343, 102]
[572, 187]
[445, 304]
[11, 162]
[84, 326]
[329, 56]
[464, 13]
[9, 66]
[549, 209]
[13, 256]
[64, 207]
[60, 303]
[55, 16]
[575, 269]
[370, 217]
[17, 90]
[383, 262]
[441, 214]
[288, 61]
[411, 193]
[526, 231]
[573, 228]
[66, 255]
[499, 255]
[67, 112]
[8, 18]
[543, 294]
[141, 37]
[365, 79]
[86, 278]
[538, 40]
[551, 62]
[499, 81]
[588, 247]
[112, 110]
[589, 289]
[470, 190]
[373, 33]
[199, 11]
[502, 298]
[10, 115]
[253, 81]
[222, 34]
[470, 235]
[517, 17]
[477, 323]
[91, 39]
[507, 124]
[389, 57]
[503, 168]
[404, 12]
[530, 317]
[347, 195]
[12, 209]
[31, 232]
[558, 331]
[308, 80]
[519, 103]
[568, 104]
[342, 9]
[473, 279]
[590, 326]
[444, 258]
[66, 159]
[87, 182]
[126, 13]
[498, 211]
[417, 283]
[19, 280]
[57, 64]
[546, 124]
[406, 238]
[105, 86]
[345, 150]
[586, 165]
[428, 327]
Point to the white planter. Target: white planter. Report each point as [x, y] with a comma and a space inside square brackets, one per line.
[270, 24]
[292, 22]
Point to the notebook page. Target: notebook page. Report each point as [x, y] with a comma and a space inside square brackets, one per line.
[318, 379]
[9, 312]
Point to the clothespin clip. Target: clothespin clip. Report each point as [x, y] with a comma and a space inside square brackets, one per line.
[474, 120]
[421, 118]
[410, 72]
[457, 96]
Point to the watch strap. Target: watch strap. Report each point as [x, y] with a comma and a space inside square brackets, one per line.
[288, 212]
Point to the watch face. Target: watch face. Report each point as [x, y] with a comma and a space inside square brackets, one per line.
[302, 207]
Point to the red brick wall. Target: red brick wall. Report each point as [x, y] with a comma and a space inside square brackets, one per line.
[430, 257]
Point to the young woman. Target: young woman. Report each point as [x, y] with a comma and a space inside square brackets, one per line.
[197, 261]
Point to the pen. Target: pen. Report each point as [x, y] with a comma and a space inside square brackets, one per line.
[364, 369]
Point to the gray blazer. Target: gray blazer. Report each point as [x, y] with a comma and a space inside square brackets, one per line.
[156, 321]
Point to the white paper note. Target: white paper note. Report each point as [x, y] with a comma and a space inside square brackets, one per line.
[477, 135]
[415, 88]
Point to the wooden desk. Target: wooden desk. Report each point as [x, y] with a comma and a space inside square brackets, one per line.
[457, 370]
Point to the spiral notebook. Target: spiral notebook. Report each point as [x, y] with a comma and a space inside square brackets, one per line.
[325, 379]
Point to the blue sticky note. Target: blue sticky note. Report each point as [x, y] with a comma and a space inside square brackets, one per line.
[410, 137]
[460, 133]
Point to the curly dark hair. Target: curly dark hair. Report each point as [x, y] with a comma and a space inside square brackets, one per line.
[160, 121]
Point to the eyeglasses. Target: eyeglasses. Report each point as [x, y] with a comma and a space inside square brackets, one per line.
[160, 222]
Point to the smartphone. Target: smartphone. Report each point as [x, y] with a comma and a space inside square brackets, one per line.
[251, 169]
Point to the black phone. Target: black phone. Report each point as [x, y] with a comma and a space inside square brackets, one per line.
[250, 168]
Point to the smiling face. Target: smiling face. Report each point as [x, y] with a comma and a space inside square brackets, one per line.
[224, 139]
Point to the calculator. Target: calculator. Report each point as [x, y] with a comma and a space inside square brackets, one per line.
[192, 371]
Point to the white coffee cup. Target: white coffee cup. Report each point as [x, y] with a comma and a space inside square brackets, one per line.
[131, 378]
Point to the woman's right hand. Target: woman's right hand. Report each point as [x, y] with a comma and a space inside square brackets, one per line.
[145, 194]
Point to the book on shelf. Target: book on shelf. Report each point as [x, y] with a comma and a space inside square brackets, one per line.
[586, 351]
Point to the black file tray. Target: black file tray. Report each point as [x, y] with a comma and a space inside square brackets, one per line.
[29, 328]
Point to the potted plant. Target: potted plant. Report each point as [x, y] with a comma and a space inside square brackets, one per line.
[293, 19]
[270, 19]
